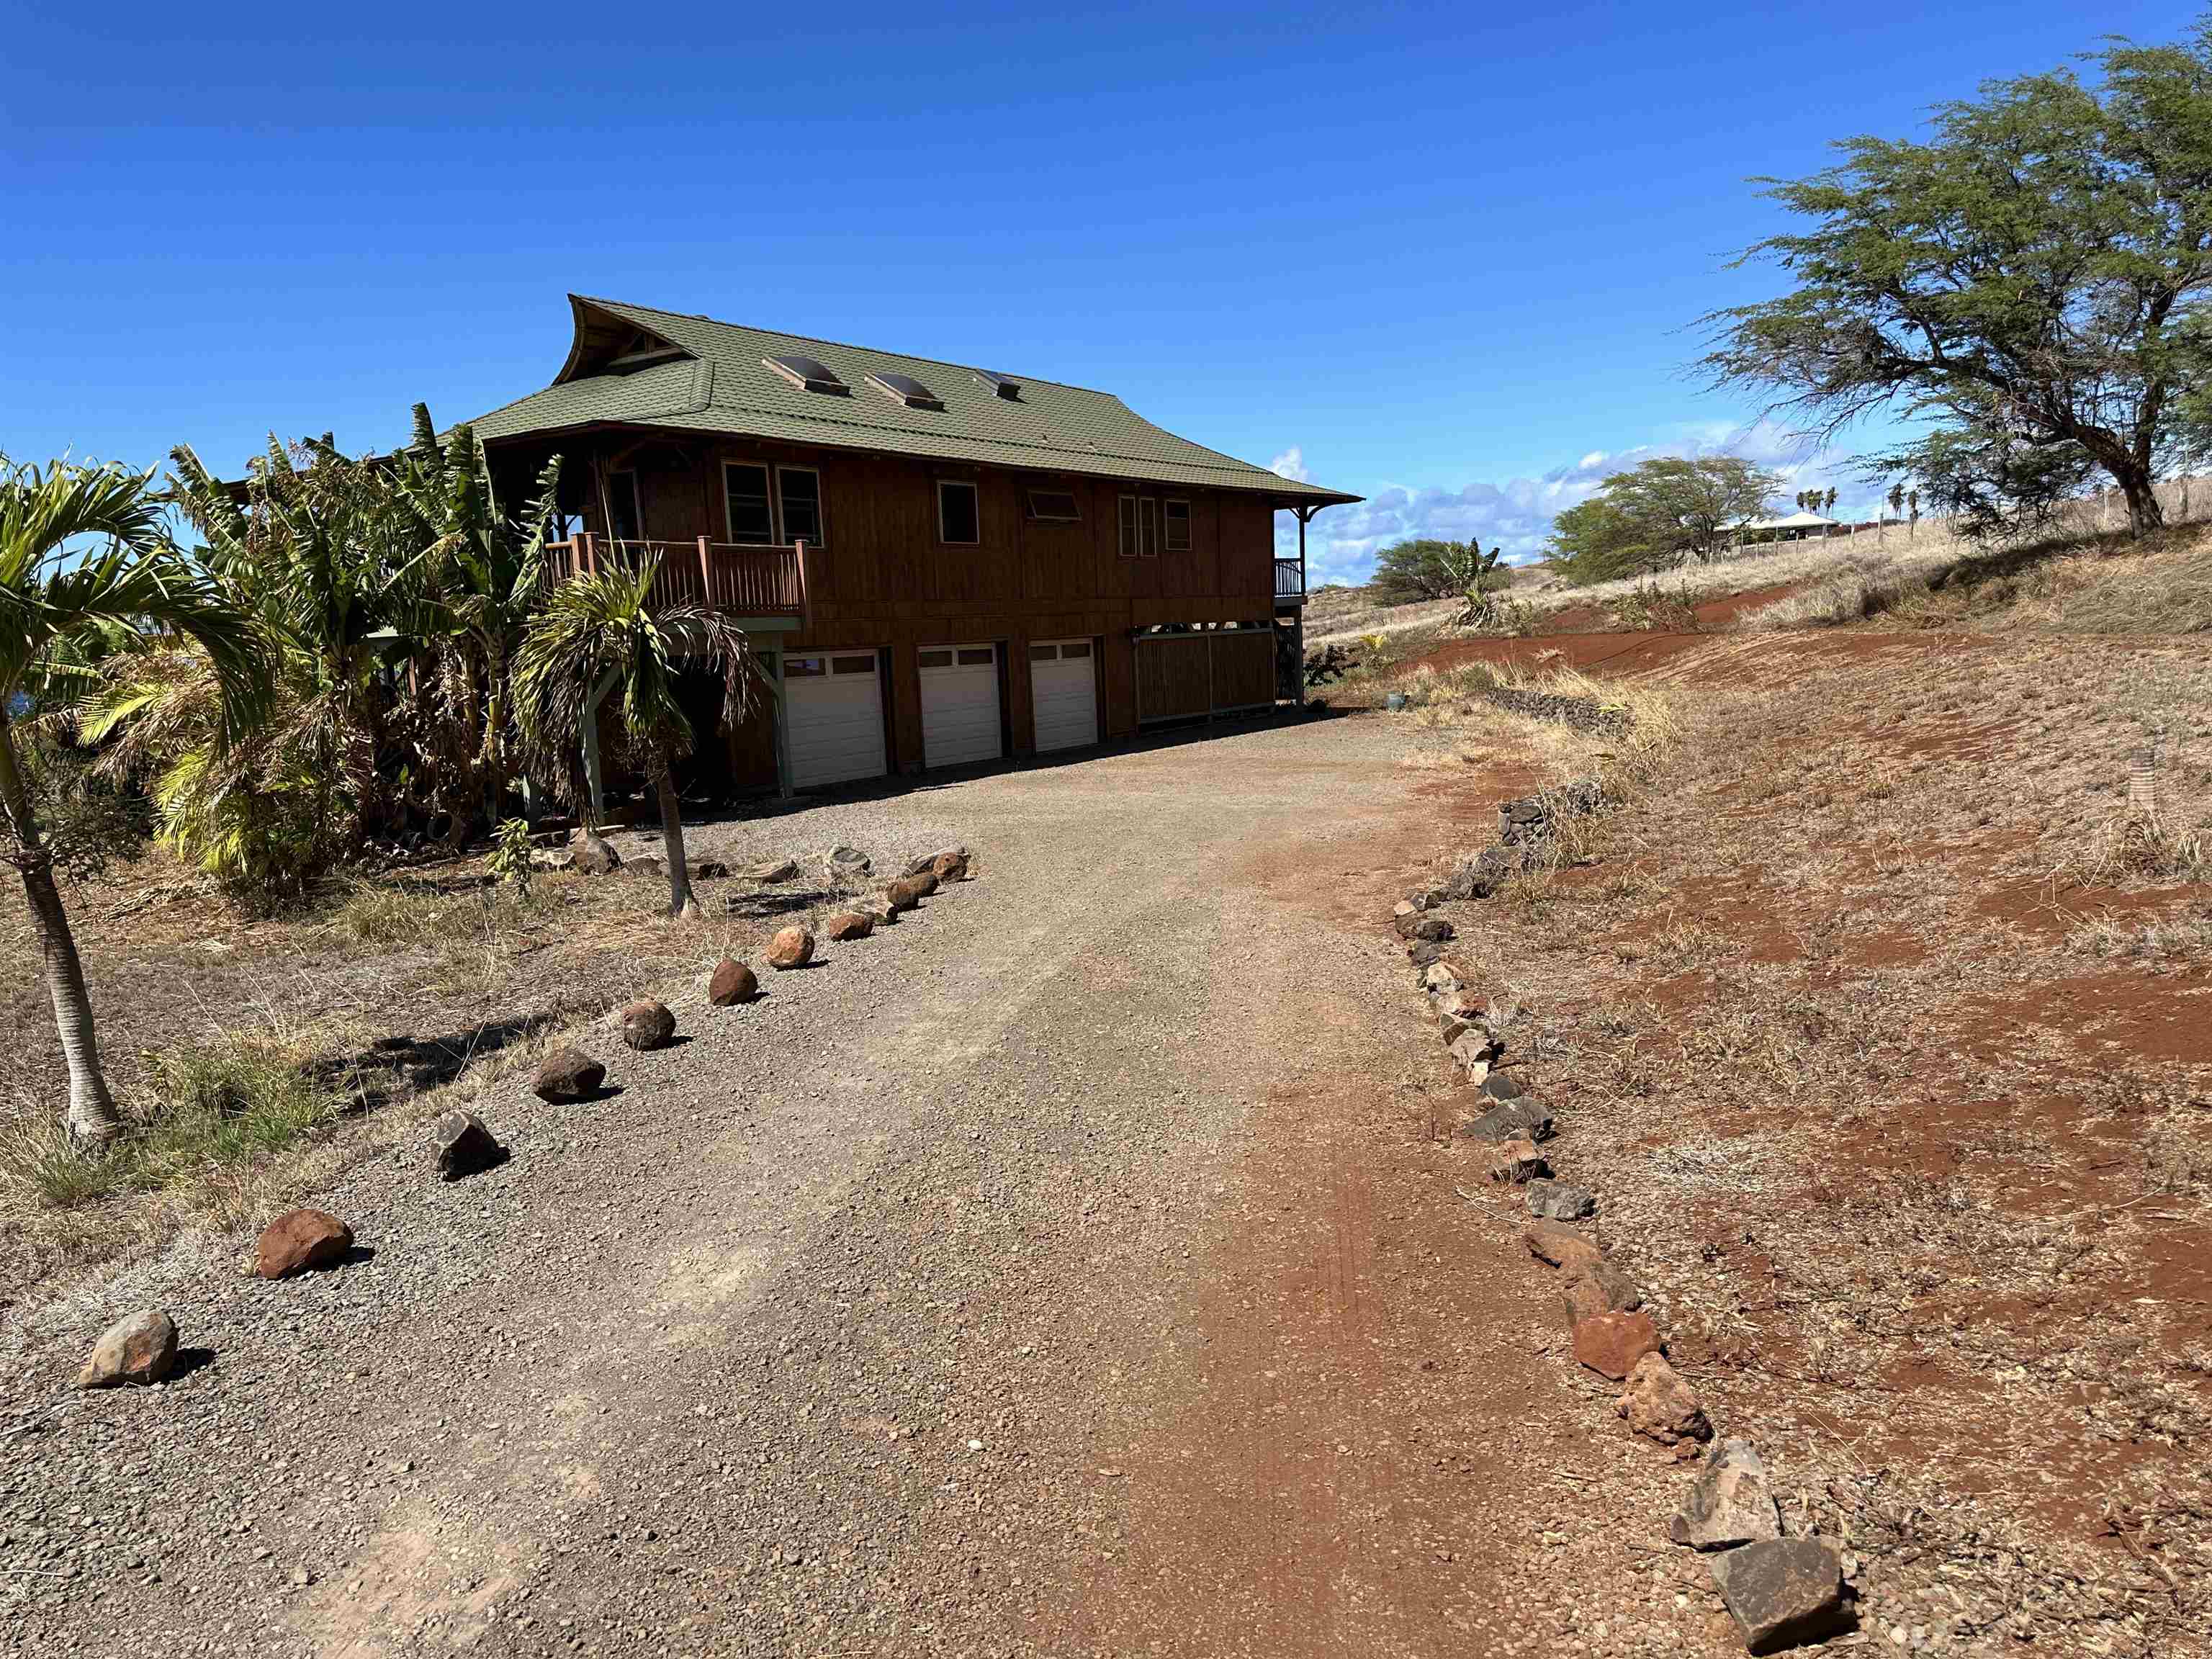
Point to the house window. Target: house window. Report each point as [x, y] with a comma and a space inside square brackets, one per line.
[1176, 515]
[959, 518]
[1053, 505]
[624, 522]
[803, 668]
[744, 485]
[799, 494]
[856, 665]
[1140, 527]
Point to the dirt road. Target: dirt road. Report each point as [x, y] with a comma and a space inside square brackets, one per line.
[1075, 1268]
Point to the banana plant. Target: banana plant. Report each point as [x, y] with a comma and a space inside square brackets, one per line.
[487, 578]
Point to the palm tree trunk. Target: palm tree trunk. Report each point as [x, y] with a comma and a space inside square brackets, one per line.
[92, 1113]
[671, 843]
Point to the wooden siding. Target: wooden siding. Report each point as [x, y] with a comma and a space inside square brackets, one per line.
[880, 577]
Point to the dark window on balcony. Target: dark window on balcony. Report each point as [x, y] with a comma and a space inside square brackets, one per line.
[624, 522]
[799, 491]
[752, 523]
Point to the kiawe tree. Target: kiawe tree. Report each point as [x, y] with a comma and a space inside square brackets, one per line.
[2030, 282]
[84, 559]
[1647, 519]
[1426, 568]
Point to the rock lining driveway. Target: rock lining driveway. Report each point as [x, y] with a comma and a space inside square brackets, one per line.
[1062, 1269]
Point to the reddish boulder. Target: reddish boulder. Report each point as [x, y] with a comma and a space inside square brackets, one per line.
[1611, 1344]
[300, 1242]
[1562, 1246]
[949, 868]
[733, 983]
[905, 893]
[141, 1348]
[568, 1074]
[1600, 1288]
[848, 925]
[1659, 1404]
[647, 1024]
[1516, 1161]
[792, 947]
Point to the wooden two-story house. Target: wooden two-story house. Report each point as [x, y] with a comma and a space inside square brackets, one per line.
[938, 565]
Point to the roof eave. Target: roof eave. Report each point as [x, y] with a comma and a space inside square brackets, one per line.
[1311, 495]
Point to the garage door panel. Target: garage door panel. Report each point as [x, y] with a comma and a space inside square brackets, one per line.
[1064, 692]
[835, 718]
[959, 704]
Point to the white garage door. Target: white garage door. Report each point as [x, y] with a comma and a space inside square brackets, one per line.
[837, 718]
[959, 704]
[1064, 686]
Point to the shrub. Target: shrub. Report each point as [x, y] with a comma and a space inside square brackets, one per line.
[1650, 608]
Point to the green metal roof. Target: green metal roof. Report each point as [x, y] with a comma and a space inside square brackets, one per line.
[721, 383]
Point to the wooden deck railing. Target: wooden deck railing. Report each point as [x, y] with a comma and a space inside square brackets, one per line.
[1290, 580]
[741, 580]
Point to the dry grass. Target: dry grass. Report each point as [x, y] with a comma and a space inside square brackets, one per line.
[260, 1057]
[2062, 579]
[1816, 1022]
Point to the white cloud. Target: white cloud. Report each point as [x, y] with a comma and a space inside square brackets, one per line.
[1290, 464]
[1517, 515]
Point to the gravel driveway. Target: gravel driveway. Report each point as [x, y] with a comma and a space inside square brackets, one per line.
[1071, 1266]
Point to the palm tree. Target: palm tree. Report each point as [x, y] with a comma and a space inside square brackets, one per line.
[55, 592]
[1828, 501]
[603, 637]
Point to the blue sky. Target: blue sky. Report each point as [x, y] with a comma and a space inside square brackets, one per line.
[1448, 258]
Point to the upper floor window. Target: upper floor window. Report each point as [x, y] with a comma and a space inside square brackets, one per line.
[798, 497]
[1053, 506]
[959, 514]
[1175, 525]
[744, 485]
[1139, 527]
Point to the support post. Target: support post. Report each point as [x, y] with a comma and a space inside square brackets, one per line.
[705, 574]
[591, 542]
[783, 787]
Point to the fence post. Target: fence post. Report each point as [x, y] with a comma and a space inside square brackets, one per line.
[705, 574]
[590, 553]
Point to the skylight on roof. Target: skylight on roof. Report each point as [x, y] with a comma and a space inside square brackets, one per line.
[1004, 385]
[806, 373]
[904, 388]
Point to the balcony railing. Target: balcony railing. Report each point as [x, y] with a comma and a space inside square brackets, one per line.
[1290, 580]
[743, 580]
